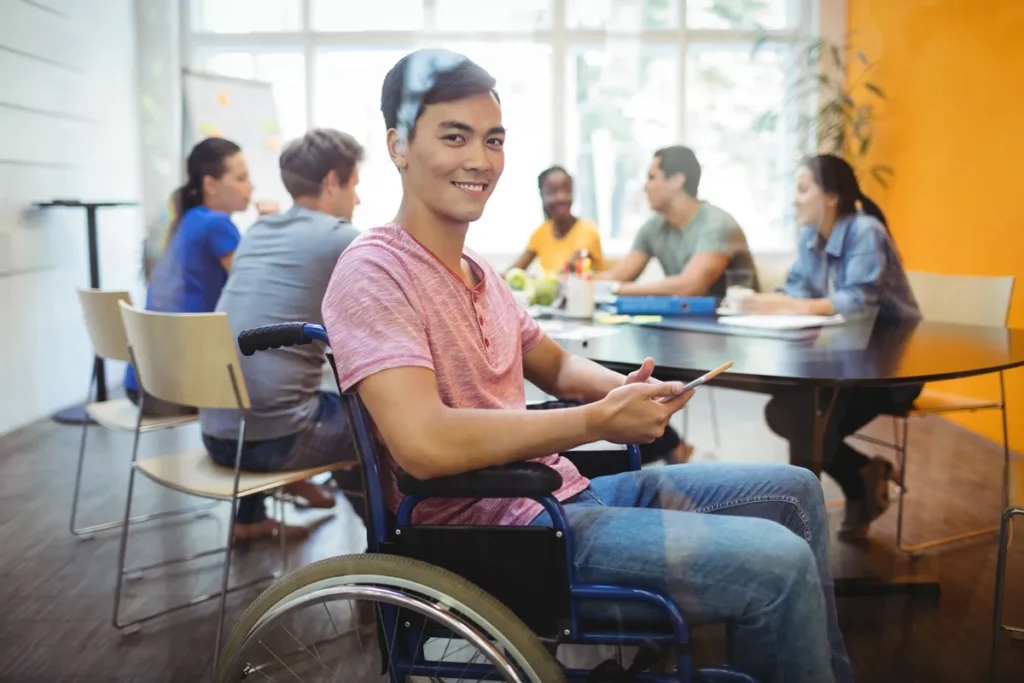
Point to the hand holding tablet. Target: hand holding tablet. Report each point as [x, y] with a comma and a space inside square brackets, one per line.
[704, 379]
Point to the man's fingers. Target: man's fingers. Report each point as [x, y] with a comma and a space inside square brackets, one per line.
[677, 402]
[661, 389]
[643, 373]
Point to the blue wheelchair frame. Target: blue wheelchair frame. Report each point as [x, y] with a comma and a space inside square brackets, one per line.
[382, 529]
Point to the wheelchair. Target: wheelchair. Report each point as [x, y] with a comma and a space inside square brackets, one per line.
[422, 595]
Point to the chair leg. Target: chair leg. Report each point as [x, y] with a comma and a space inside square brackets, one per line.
[84, 533]
[122, 553]
[229, 547]
[1006, 442]
[81, 533]
[997, 609]
[917, 548]
[901, 455]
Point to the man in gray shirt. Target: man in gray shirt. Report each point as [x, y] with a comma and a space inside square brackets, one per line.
[694, 241]
[279, 274]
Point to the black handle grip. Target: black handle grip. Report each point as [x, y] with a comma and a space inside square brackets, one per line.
[271, 337]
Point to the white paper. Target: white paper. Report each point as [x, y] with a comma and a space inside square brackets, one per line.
[557, 329]
[782, 322]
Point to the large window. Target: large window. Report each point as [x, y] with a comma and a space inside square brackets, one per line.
[594, 85]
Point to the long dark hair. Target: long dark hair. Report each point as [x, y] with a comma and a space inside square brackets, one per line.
[544, 176]
[834, 176]
[206, 159]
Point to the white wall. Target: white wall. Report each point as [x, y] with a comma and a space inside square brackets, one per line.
[68, 129]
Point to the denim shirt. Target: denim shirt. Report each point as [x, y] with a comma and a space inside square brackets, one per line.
[857, 269]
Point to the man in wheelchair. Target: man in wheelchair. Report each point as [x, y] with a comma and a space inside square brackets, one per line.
[431, 339]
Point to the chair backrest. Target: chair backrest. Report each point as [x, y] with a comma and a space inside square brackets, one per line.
[186, 358]
[962, 299]
[103, 321]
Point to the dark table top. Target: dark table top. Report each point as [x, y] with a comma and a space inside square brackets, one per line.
[75, 203]
[872, 352]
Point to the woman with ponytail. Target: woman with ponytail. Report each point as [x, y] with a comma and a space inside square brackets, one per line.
[200, 243]
[846, 264]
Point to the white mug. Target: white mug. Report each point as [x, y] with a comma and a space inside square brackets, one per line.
[579, 297]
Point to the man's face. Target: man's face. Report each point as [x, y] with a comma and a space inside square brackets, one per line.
[343, 198]
[660, 189]
[456, 157]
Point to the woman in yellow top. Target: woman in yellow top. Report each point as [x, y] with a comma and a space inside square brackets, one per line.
[561, 236]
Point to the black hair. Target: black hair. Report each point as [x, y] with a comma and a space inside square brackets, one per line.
[426, 77]
[835, 176]
[305, 162]
[679, 159]
[544, 176]
[206, 159]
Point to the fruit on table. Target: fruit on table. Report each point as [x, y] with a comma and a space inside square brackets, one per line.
[516, 279]
[545, 291]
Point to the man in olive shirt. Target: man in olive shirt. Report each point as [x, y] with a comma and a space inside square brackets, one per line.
[694, 241]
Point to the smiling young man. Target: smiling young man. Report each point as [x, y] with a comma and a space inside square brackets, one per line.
[433, 342]
[695, 241]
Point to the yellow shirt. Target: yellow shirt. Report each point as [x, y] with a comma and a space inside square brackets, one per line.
[554, 252]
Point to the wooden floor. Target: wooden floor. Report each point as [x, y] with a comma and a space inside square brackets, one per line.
[56, 591]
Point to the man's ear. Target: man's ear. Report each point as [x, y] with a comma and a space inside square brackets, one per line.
[678, 181]
[397, 148]
[330, 179]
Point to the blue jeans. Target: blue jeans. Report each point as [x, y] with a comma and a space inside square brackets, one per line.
[740, 544]
[325, 440]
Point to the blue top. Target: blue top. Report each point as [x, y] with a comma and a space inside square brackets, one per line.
[189, 276]
[858, 269]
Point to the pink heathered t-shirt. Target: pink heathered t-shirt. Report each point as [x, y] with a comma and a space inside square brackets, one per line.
[391, 303]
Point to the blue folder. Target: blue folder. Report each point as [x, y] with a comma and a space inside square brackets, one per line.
[666, 305]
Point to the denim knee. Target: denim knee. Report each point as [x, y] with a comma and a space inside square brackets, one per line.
[785, 568]
[806, 487]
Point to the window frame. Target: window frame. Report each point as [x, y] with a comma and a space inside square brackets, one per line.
[818, 18]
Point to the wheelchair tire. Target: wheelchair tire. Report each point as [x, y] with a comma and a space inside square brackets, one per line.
[493, 619]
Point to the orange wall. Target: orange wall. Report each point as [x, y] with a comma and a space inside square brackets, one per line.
[953, 131]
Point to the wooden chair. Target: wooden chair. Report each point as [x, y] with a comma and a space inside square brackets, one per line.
[192, 359]
[961, 300]
[106, 331]
[1014, 507]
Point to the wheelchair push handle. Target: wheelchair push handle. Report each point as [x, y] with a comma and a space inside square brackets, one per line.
[276, 336]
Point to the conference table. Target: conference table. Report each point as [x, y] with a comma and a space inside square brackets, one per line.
[866, 353]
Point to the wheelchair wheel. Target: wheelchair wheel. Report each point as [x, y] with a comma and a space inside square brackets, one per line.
[353, 617]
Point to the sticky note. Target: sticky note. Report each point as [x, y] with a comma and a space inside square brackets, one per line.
[222, 98]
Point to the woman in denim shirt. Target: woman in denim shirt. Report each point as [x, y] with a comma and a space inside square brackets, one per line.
[847, 264]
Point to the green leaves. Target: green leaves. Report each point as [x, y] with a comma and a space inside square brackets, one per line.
[842, 118]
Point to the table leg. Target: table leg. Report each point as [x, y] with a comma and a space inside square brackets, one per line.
[77, 414]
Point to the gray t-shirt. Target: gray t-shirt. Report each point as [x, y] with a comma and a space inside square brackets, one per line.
[711, 229]
[279, 274]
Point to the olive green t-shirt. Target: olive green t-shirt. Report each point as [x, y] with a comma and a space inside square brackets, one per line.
[710, 229]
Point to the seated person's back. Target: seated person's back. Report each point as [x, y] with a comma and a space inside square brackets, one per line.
[280, 273]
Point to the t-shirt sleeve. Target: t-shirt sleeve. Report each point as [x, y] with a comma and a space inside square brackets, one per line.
[721, 236]
[222, 236]
[372, 318]
[530, 331]
[642, 242]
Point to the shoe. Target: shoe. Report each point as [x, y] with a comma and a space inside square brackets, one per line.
[859, 514]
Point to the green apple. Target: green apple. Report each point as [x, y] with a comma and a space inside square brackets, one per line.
[516, 279]
[545, 291]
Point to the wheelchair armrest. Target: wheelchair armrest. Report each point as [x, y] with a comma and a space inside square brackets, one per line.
[516, 480]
